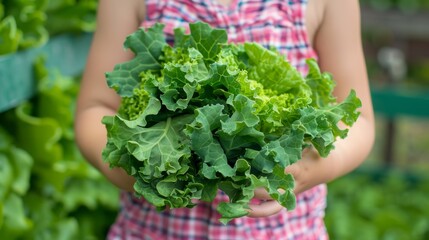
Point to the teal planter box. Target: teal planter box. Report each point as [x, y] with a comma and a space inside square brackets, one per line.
[392, 102]
[67, 53]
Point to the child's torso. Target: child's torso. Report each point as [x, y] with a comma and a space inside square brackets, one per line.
[277, 23]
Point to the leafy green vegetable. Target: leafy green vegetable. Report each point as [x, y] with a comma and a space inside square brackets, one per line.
[204, 115]
[30, 19]
[15, 166]
[391, 205]
[30, 23]
[9, 35]
[69, 16]
[47, 189]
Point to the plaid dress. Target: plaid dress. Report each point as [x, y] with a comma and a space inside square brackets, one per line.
[272, 23]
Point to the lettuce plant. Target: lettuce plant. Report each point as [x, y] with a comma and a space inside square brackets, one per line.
[47, 189]
[205, 115]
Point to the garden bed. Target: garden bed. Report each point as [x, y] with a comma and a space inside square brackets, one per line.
[379, 203]
[67, 53]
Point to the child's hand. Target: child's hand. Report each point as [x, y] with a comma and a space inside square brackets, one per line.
[265, 206]
[305, 179]
[313, 170]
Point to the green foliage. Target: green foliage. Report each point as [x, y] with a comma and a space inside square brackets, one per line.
[29, 23]
[389, 204]
[9, 35]
[204, 115]
[47, 189]
[418, 74]
[402, 5]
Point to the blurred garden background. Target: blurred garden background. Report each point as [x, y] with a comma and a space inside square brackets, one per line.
[48, 191]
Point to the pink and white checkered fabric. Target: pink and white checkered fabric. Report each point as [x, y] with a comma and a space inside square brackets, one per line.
[139, 220]
[272, 23]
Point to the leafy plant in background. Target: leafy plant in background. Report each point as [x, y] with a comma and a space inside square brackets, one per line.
[401, 5]
[30, 23]
[48, 191]
[384, 205]
[418, 74]
[15, 169]
[10, 36]
[71, 16]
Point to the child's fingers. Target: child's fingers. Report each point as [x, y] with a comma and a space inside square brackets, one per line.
[264, 209]
[261, 193]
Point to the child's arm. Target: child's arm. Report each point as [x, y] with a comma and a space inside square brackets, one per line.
[338, 44]
[115, 20]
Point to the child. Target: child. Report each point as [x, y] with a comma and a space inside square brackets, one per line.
[328, 30]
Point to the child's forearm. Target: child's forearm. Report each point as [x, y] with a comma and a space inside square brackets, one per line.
[91, 137]
[354, 150]
[115, 21]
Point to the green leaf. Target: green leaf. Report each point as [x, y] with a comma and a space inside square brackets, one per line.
[321, 125]
[205, 145]
[30, 18]
[240, 187]
[274, 72]
[6, 179]
[322, 85]
[209, 191]
[230, 211]
[235, 144]
[180, 189]
[62, 109]
[10, 35]
[15, 222]
[208, 41]
[292, 142]
[222, 78]
[349, 108]
[181, 40]
[150, 194]
[71, 16]
[96, 192]
[173, 101]
[147, 45]
[22, 164]
[178, 86]
[147, 152]
[160, 148]
[263, 160]
[1, 214]
[38, 136]
[281, 187]
[243, 116]
[5, 140]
